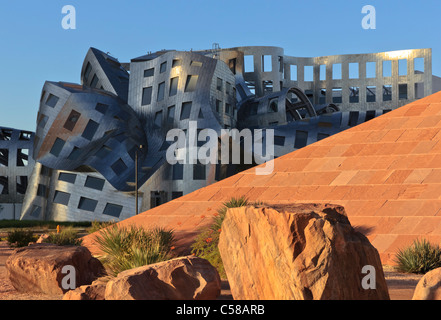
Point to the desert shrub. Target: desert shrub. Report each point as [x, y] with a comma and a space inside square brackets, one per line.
[20, 238]
[128, 248]
[98, 225]
[67, 236]
[420, 257]
[206, 243]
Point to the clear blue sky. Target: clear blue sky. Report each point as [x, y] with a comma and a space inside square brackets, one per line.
[34, 46]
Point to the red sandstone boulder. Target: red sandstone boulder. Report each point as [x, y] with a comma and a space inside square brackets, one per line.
[298, 251]
[429, 286]
[38, 268]
[184, 278]
[94, 291]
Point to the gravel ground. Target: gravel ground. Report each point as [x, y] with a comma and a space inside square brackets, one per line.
[401, 286]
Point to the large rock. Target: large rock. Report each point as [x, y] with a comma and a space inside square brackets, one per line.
[429, 286]
[38, 268]
[94, 291]
[298, 251]
[184, 278]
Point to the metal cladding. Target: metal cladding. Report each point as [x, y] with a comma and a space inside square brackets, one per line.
[89, 135]
[16, 164]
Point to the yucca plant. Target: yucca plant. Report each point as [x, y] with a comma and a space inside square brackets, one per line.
[420, 257]
[206, 243]
[67, 237]
[128, 248]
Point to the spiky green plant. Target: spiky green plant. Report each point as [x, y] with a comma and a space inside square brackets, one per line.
[67, 237]
[128, 248]
[420, 257]
[206, 243]
[98, 225]
[20, 238]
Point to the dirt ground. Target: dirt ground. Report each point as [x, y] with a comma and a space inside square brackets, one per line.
[401, 286]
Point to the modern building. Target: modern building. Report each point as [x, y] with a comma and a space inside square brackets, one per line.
[99, 141]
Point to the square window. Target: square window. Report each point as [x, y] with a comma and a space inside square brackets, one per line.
[301, 139]
[90, 130]
[57, 147]
[4, 158]
[67, 177]
[87, 204]
[402, 91]
[22, 184]
[173, 86]
[371, 93]
[163, 67]
[52, 100]
[219, 84]
[22, 157]
[176, 63]
[293, 69]
[196, 64]
[25, 136]
[354, 94]
[102, 108]
[146, 96]
[402, 67]
[72, 120]
[158, 119]
[190, 85]
[36, 211]
[61, 197]
[171, 114]
[161, 89]
[113, 210]
[227, 108]
[418, 65]
[42, 121]
[387, 92]
[387, 68]
[178, 171]
[371, 69]
[308, 73]
[185, 110]
[119, 167]
[249, 63]
[42, 190]
[149, 72]
[336, 71]
[353, 70]
[75, 154]
[266, 63]
[337, 95]
[279, 140]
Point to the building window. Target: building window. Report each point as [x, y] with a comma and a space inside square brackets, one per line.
[196, 64]
[267, 86]
[36, 211]
[87, 71]
[173, 86]
[249, 63]
[57, 147]
[178, 171]
[323, 72]
[353, 118]
[90, 130]
[102, 108]
[94, 81]
[190, 85]
[119, 167]
[353, 70]
[402, 91]
[67, 177]
[113, 210]
[227, 108]
[4, 185]
[308, 73]
[52, 100]
[42, 190]
[158, 119]
[301, 139]
[387, 92]
[371, 69]
[42, 121]
[219, 84]
[228, 88]
[72, 120]
[177, 194]
[322, 96]
[337, 95]
[279, 140]
[354, 94]
[87, 204]
[157, 198]
[163, 67]
[146, 96]
[419, 90]
[418, 65]
[232, 65]
[161, 89]
[293, 71]
[199, 171]
[61, 197]
[22, 184]
[387, 68]
[185, 110]
[25, 136]
[4, 158]
[371, 93]
[336, 71]
[176, 63]
[94, 183]
[266, 63]
[402, 67]
[149, 72]
[218, 106]
[171, 114]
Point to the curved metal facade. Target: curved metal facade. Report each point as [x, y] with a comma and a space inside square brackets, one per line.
[88, 135]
